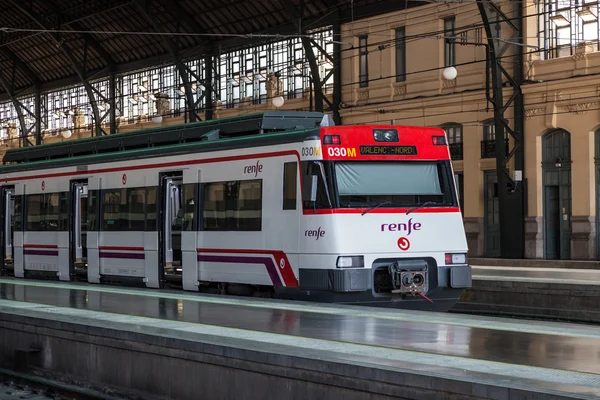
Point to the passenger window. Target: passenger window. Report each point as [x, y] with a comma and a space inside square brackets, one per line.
[92, 210]
[18, 215]
[232, 206]
[290, 177]
[34, 212]
[133, 212]
[63, 211]
[111, 208]
[314, 174]
[42, 212]
[151, 209]
[189, 206]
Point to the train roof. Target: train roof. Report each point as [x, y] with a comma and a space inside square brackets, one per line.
[251, 126]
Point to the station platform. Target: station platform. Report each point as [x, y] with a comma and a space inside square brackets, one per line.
[170, 344]
[534, 292]
[534, 263]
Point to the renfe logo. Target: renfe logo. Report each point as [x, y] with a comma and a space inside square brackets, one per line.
[407, 227]
[253, 169]
[315, 233]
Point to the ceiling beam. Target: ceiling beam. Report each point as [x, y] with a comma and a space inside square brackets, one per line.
[20, 64]
[76, 26]
[145, 7]
[80, 70]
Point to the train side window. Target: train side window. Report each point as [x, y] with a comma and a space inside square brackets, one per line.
[248, 213]
[190, 199]
[290, 178]
[18, 215]
[34, 212]
[232, 206]
[42, 212]
[151, 209]
[52, 211]
[111, 210]
[316, 193]
[92, 210]
[133, 211]
[63, 218]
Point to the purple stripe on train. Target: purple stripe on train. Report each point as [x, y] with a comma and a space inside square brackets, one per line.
[128, 256]
[266, 261]
[41, 253]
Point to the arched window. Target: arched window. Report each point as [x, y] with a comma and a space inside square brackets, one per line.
[455, 139]
[562, 24]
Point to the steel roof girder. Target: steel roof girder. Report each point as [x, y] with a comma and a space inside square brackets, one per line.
[181, 67]
[69, 54]
[19, 109]
[20, 64]
[75, 26]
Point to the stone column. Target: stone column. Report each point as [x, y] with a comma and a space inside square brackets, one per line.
[534, 237]
[473, 190]
[78, 122]
[583, 220]
[274, 88]
[162, 104]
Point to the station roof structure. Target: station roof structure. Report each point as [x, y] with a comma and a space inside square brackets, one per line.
[48, 44]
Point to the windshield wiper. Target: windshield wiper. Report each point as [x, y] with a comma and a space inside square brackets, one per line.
[427, 203]
[377, 206]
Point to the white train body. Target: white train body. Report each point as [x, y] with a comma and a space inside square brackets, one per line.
[278, 214]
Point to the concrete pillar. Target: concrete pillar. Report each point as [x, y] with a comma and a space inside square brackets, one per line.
[534, 221]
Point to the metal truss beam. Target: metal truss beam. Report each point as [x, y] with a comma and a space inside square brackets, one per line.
[307, 44]
[112, 87]
[78, 27]
[174, 8]
[22, 110]
[511, 193]
[337, 71]
[79, 68]
[208, 92]
[145, 8]
[24, 68]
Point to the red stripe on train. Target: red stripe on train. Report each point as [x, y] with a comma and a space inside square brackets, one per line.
[124, 248]
[281, 261]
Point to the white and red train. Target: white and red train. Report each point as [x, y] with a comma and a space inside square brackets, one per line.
[276, 203]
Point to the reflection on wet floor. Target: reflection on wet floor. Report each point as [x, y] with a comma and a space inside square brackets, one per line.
[551, 351]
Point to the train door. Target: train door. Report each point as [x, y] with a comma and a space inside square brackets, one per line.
[171, 226]
[78, 228]
[7, 229]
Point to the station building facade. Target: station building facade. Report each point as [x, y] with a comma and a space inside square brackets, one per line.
[392, 72]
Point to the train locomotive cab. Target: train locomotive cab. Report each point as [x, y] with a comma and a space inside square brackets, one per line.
[381, 222]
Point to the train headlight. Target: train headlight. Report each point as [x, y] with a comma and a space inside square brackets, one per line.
[456, 258]
[385, 135]
[350, 262]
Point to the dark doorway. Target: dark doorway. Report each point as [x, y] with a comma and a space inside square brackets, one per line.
[556, 169]
[491, 219]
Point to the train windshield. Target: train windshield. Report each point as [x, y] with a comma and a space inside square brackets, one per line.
[394, 184]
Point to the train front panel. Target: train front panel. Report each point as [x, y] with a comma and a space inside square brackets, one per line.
[381, 221]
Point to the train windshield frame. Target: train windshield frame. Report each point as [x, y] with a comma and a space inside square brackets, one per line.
[381, 183]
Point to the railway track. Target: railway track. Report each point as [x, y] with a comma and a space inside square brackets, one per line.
[16, 385]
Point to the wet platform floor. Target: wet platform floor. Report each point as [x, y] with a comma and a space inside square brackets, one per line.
[559, 354]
